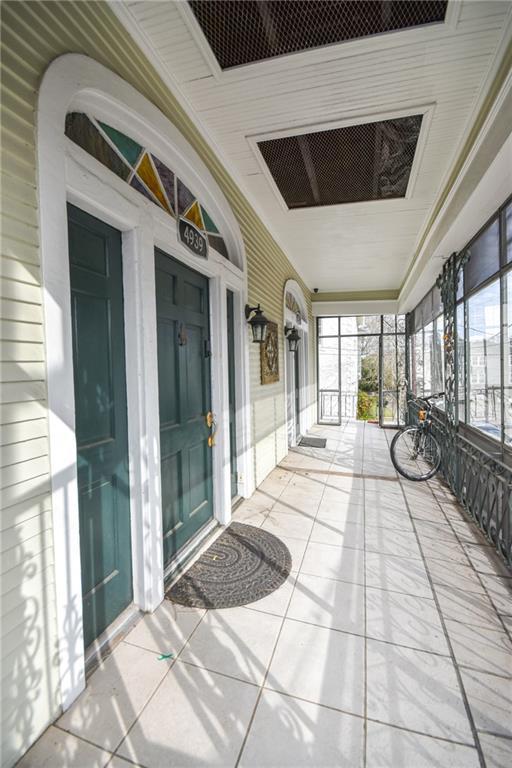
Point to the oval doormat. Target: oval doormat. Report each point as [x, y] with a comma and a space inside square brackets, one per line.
[243, 565]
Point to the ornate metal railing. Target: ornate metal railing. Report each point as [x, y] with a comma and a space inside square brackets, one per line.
[479, 479]
[334, 405]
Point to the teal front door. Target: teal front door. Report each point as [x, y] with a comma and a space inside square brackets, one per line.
[100, 419]
[183, 326]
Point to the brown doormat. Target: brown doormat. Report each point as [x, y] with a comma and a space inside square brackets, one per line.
[313, 442]
[243, 565]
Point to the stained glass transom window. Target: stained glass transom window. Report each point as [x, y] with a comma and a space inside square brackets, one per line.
[143, 171]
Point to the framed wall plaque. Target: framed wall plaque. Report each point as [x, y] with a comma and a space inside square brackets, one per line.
[269, 352]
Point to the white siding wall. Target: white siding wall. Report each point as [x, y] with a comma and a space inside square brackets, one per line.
[33, 34]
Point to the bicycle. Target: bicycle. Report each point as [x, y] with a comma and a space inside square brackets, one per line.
[414, 451]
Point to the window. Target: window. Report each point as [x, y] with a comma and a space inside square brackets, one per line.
[428, 349]
[508, 235]
[461, 360]
[361, 369]
[483, 334]
[484, 359]
[507, 358]
[484, 257]
[418, 363]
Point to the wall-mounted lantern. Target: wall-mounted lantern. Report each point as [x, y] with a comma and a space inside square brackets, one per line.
[258, 323]
[293, 337]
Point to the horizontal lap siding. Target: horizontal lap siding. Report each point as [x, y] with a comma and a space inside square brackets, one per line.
[33, 35]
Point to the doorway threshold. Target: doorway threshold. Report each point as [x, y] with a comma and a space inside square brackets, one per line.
[113, 634]
[191, 551]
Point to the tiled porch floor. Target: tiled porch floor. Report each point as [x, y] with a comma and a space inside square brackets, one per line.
[387, 646]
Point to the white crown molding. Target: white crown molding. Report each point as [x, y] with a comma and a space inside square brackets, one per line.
[125, 17]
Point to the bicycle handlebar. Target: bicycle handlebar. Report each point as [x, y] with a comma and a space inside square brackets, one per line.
[437, 396]
[427, 399]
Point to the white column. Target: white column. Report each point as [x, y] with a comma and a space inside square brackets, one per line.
[143, 414]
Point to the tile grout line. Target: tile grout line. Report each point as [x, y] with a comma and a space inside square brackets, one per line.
[458, 674]
[344, 632]
[471, 565]
[365, 661]
[262, 686]
[150, 698]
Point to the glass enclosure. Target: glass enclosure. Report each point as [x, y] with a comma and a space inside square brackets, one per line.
[361, 369]
[483, 334]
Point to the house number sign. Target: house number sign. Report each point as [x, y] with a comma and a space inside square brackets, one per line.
[192, 238]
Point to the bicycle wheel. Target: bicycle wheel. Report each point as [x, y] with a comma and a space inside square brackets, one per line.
[415, 454]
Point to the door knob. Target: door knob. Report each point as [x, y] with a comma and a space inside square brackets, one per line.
[211, 423]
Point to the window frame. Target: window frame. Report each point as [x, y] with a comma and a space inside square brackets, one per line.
[463, 296]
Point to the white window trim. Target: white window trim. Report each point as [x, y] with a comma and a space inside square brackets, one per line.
[68, 174]
[306, 411]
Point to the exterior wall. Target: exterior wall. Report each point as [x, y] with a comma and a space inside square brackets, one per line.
[33, 34]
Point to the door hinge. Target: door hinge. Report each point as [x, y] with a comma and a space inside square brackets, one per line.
[207, 348]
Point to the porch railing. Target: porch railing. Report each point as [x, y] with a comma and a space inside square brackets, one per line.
[335, 405]
[480, 480]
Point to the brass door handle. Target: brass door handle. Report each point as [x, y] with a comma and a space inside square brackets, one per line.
[211, 423]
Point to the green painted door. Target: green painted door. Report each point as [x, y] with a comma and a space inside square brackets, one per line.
[232, 391]
[101, 419]
[182, 308]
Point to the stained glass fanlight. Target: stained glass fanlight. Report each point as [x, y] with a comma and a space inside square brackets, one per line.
[143, 171]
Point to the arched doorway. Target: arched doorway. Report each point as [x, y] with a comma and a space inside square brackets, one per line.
[131, 200]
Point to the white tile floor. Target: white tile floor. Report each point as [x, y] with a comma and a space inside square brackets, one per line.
[387, 646]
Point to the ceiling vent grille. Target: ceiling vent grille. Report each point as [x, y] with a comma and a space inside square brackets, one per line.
[244, 31]
[344, 165]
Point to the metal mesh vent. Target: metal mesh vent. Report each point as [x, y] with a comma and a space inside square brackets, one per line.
[242, 31]
[344, 165]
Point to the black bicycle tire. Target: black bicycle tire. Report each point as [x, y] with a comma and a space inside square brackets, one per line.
[400, 470]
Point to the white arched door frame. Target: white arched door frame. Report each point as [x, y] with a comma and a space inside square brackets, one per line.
[68, 174]
[298, 320]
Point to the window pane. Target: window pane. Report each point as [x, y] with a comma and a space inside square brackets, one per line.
[389, 322]
[438, 355]
[328, 380]
[350, 361]
[389, 380]
[400, 323]
[428, 357]
[484, 363]
[348, 325]
[460, 360]
[328, 326]
[460, 285]
[507, 342]
[484, 258]
[402, 391]
[328, 367]
[418, 363]
[508, 234]
[360, 324]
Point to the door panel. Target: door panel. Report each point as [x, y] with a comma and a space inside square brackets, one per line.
[184, 401]
[101, 419]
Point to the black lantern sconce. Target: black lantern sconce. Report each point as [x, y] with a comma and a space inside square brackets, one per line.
[258, 323]
[293, 337]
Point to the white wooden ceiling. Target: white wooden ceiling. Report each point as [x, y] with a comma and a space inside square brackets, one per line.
[445, 69]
